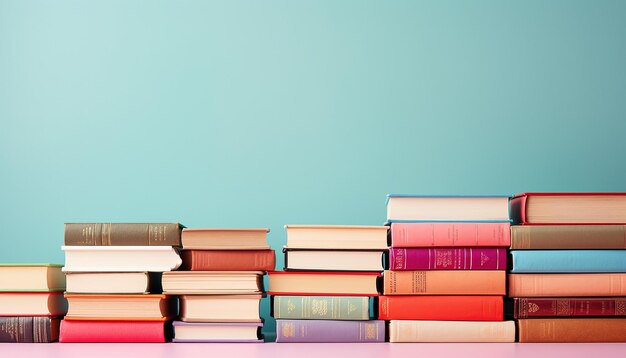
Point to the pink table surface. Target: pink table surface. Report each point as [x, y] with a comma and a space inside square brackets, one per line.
[314, 350]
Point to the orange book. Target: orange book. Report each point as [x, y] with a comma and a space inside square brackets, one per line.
[567, 285]
[461, 282]
[441, 308]
[540, 330]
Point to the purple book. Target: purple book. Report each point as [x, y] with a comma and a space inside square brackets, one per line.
[313, 331]
[448, 258]
[188, 332]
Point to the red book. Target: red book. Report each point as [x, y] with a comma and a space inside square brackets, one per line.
[448, 258]
[569, 307]
[228, 260]
[112, 332]
[441, 308]
[438, 234]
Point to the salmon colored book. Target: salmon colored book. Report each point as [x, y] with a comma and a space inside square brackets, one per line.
[567, 285]
[461, 282]
[441, 308]
[445, 234]
[228, 260]
[544, 330]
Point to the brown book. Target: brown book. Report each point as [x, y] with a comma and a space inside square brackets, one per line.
[540, 237]
[461, 282]
[545, 330]
[228, 260]
[122, 234]
[29, 329]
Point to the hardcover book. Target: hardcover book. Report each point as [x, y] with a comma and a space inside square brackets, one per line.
[314, 283]
[442, 234]
[544, 330]
[220, 308]
[441, 308]
[228, 260]
[569, 307]
[334, 260]
[120, 258]
[31, 277]
[567, 285]
[451, 331]
[485, 208]
[340, 237]
[122, 234]
[29, 329]
[448, 258]
[320, 331]
[114, 282]
[213, 282]
[322, 308]
[225, 239]
[547, 261]
[460, 282]
[543, 237]
[120, 307]
[185, 332]
[114, 332]
[32, 304]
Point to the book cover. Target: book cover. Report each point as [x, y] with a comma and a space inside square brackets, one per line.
[29, 329]
[113, 332]
[321, 307]
[122, 234]
[542, 237]
[567, 285]
[228, 260]
[460, 282]
[557, 261]
[320, 331]
[441, 308]
[448, 258]
[545, 330]
[569, 307]
[451, 331]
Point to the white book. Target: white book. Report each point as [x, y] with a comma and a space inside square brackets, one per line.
[120, 258]
[451, 331]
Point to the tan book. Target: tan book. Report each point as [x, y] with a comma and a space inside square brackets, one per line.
[323, 283]
[542, 237]
[31, 277]
[345, 237]
[32, 304]
[567, 285]
[569, 208]
[451, 331]
[113, 282]
[447, 208]
[220, 308]
[120, 258]
[225, 239]
[213, 282]
[334, 260]
[120, 307]
[544, 330]
[441, 282]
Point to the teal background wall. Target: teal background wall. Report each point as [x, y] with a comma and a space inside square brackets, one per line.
[263, 113]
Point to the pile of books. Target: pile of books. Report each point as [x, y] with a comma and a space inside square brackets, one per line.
[447, 269]
[31, 302]
[113, 281]
[326, 292]
[221, 284]
[568, 279]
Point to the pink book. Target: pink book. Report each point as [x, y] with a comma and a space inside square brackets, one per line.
[433, 234]
[448, 258]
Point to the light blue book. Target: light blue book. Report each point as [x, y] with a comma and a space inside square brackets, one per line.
[567, 261]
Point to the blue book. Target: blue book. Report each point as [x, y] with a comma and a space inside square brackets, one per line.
[566, 261]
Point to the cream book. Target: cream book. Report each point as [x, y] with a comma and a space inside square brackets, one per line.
[401, 207]
[113, 282]
[451, 331]
[343, 237]
[120, 307]
[334, 260]
[31, 278]
[225, 239]
[220, 308]
[32, 304]
[213, 282]
[120, 258]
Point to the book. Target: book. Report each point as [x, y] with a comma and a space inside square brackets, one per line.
[319, 283]
[441, 308]
[120, 258]
[32, 304]
[120, 307]
[545, 237]
[320, 331]
[341, 237]
[546, 261]
[322, 308]
[485, 208]
[122, 234]
[29, 329]
[459, 282]
[451, 331]
[31, 277]
[220, 308]
[114, 282]
[569, 307]
[442, 234]
[228, 260]
[113, 332]
[213, 282]
[186, 332]
[448, 258]
[567, 285]
[334, 260]
[569, 208]
[225, 239]
[543, 330]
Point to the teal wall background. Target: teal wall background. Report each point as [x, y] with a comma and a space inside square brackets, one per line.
[263, 113]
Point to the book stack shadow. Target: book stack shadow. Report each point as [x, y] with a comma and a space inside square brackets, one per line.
[447, 269]
[568, 277]
[328, 288]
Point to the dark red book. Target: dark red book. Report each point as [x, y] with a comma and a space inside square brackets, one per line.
[228, 260]
[569, 307]
[448, 258]
[112, 332]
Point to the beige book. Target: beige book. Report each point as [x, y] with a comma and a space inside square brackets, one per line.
[338, 260]
[31, 277]
[442, 208]
[220, 308]
[451, 331]
[215, 332]
[120, 307]
[225, 239]
[323, 283]
[213, 282]
[32, 304]
[572, 208]
[110, 282]
[120, 258]
[336, 237]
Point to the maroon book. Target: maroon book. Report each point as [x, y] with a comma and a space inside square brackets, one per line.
[448, 258]
[569, 307]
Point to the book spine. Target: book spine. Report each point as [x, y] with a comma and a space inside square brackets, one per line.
[16, 329]
[112, 332]
[459, 282]
[441, 308]
[229, 260]
[321, 307]
[569, 307]
[543, 237]
[567, 285]
[122, 234]
[317, 331]
[575, 261]
[546, 330]
[450, 234]
[462, 258]
[451, 331]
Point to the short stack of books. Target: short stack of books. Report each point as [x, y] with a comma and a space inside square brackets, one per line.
[221, 284]
[447, 269]
[113, 281]
[326, 292]
[31, 302]
[568, 279]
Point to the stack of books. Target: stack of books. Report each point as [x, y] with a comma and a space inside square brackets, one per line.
[447, 269]
[325, 293]
[568, 279]
[113, 281]
[221, 284]
[31, 302]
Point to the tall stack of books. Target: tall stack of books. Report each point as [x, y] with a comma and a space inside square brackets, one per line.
[113, 281]
[447, 269]
[568, 280]
[31, 302]
[221, 284]
[325, 293]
